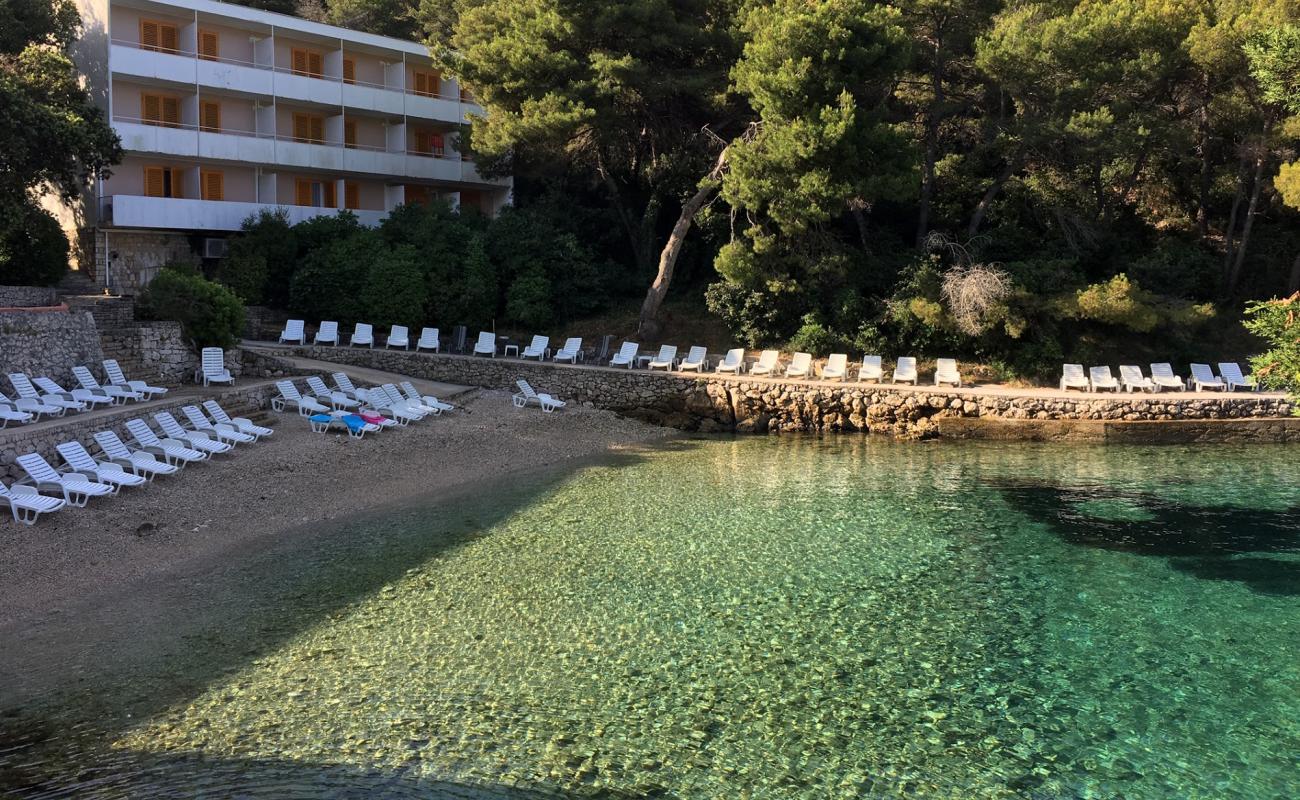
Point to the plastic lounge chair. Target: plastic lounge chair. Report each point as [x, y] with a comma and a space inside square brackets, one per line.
[345, 385]
[733, 361]
[398, 400]
[1230, 371]
[539, 348]
[1073, 377]
[118, 394]
[244, 424]
[800, 366]
[91, 399]
[116, 378]
[27, 503]
[571, 352]
[197, 440]
[871, 369]
[601, 353]
[486, 344]
[1203, 378]
[626, 355]
[362, 334]
[527, 395]
[221, 430]
[293, 332]
[1132, 379]
[697, 358]
[106, 472]
[458, 335]
[836, 367]
[1162, 375]
[769, 361]
[305, 406]
[666, 359]
[339, 401]
[905, 370]
[9, 413]
[213, 367]
[358, 427]
[400, 412]
[399, 336]
[26, 391]
[428, 340]
[1100, 379]
[945, 371]
[427, 400]
[34, 408]
[140, 462]
[77, 488]
[328, 333]
[320, 423]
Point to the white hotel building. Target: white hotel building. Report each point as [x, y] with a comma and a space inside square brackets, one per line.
[225, 110]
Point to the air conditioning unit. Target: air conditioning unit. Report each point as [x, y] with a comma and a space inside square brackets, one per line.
[214, 248]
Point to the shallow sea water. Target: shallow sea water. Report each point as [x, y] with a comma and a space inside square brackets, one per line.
[835, 617]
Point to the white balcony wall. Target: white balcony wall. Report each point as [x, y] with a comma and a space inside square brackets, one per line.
[434, 108]
[137, 137]
[308, 90]
[232, 147]
[132, 211]
[234, 77]
[373, 98]
[152, 64]
[309, 157]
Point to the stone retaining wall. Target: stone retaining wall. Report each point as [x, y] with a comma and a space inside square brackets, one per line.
[28, 296]
[47, 343]
[717, 403]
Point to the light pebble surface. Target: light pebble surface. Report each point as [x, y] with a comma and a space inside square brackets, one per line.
[279, 487]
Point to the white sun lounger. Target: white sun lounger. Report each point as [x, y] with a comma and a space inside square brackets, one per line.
[626, 355]
[539, 348]
[1100, 379]
[945, 371]
[26, 391]
[1132, 379]
[527, 395]
[697, 358]
[571, 352]
[1203, 378]
[49, 387]
[426, 400]
[428, 340]
[27, 503]
[1073, 377]
[140, 462]
[305, 406]
[346, 386]
[77, 488]
[327, 333]
[244, 424]
[800, 366]
[118, 394]
[871, 370]
[116, 378]
[1162, 375]
[223, 431]
[905, 370]
[399, 336]
[293, 332]
[34, 408]
[213, 368]
[398, 400]
[666, 359]
[486, 344]
[197, 440]
[836, 367]
[769, 361]
[339, 401]
[733, 361]
[108, 473]
[1231, 373]
[400, 412]
[362, 335]
[10, 413]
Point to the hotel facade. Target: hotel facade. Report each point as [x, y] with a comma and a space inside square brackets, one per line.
[225, 111]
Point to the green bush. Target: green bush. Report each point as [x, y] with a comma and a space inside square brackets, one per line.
[478, 299]
[262, 259]
[210, 314]
[394, 292]
[33, 251]
[332, 279]
[528, 300]
[244, 272]
[1276, 322]
[813, 337]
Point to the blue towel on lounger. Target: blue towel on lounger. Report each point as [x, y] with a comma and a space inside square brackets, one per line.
[353, 421]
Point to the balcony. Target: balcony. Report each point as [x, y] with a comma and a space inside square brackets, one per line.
[135, 211]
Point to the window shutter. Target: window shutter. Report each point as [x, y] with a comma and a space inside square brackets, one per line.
[214, 185]
[422, 83]
[351, 195]
[209, 45]
[171, 112]
[153, 181]
[151, 108]
[327, 191]
[299, 61]
[435, 144]
[434, 80]
[315, 64]
[350, 133]
[211, 117]
[148, 35]
[172, 182]
[349, 70]
[317, 131]
[301, 128]
[302, 192]
[169, 38]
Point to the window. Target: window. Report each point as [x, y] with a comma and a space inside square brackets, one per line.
[210, 116]
[428, 143]
[160, 36]
[308, 192]
[214, 184]
[308, 128]
[351, 195]
[417, 194]
[349, 133]
[209, 45]
[426, 83]
[162, 182]
[465, 95]
[349, 70]
[160, 109]
[307, 62]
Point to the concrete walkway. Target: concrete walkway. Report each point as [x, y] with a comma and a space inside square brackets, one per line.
[364, 376]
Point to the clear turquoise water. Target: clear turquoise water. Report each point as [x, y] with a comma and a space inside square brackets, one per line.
[751, 618]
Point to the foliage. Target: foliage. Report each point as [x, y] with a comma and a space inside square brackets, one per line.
[1277, 323]
[34, 252]
[331, 281]
[813, 337]
[260, 261]
[210, 314]
[394, 292]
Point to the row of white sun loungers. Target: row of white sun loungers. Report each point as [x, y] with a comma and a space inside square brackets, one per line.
[43, 397]
[359, 411]
[1131, 379]
[363, 335]
[118, 465]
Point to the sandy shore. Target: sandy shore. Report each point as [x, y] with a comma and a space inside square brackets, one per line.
[276, 487]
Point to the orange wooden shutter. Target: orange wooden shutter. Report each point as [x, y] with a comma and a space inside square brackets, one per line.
[317, 129]
[169, 38]
[151, 107]
[153, 181]
[426, 83]
[209, 45]
[210, 119]
[174, 178]
[148, 34]
[349, 70]
[315, 64]
[302, 127]
[171, 112]
[351, 195]
[214, 185]
[299, 61]
[302, 192]
[350, 133]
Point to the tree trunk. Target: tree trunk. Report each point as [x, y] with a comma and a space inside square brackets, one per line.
[649, 326]
[931, 147]
[982, 210]
[1261, 156]
[635, 233]
[1203, 145]
[1231, 232]
[858, 208]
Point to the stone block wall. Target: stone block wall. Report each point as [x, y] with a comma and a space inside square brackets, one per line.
[28, 296]
[140, 256]
[155, 351]
[47, 343]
